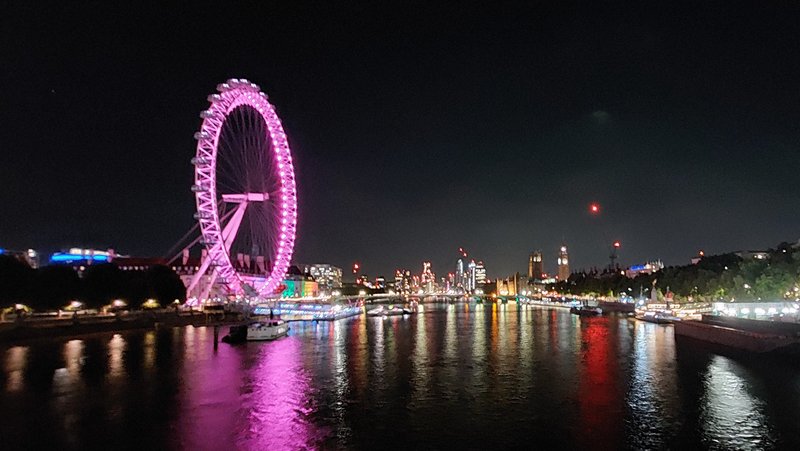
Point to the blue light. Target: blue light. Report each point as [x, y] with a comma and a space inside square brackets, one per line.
[69, 258]
[2, 251]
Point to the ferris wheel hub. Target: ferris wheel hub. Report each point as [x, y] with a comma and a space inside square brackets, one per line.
[246, 197]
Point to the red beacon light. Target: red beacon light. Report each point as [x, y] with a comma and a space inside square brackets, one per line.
[594, 208]
[616, 244]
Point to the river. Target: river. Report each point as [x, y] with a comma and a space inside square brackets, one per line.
[464, 376]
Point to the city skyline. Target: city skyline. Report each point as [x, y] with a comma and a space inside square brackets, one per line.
[406, 149]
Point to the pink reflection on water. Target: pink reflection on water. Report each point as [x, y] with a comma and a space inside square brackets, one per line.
[253, 396]
[278, 404]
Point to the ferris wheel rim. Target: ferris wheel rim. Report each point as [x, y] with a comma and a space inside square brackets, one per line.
[233, 94]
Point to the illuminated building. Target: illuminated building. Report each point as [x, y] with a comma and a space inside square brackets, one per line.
[535, 266]
[470, 285]
[460, 277]
[380, 282]
[754, 255]
[299, 286]
[85, 256]
[647, 268]
[509, 286]
[327, 276]
[402, 280]
[428, 278]
[563, 264]
[480, 274]
[30, 256]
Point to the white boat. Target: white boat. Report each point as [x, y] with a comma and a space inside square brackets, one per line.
[267, 330]
[391, 311]
[657, 317]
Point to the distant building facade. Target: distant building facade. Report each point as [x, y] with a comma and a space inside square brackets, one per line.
[327, 276]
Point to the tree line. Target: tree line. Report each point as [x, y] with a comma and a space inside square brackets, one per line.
[55, 286]
[713, 278]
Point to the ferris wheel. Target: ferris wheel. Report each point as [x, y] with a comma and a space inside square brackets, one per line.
[245, 192]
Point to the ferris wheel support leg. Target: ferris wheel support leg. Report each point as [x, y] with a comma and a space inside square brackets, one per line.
[207, 288]
[228, 235]
[198, 276]
[229, 232]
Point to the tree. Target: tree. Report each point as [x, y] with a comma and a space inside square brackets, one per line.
[102, 284]
[15, 278]
[54, 287]
[165, 285]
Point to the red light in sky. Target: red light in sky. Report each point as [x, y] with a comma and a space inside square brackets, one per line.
[616, 244]
[594, 208]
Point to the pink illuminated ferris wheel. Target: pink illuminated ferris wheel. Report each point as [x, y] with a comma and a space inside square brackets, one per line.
[245, 191]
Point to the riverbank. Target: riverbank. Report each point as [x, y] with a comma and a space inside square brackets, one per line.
[67, 327]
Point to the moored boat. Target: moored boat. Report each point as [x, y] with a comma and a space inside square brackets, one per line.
[656, 317]
[391, 311]
[267, 330]
[584, 310]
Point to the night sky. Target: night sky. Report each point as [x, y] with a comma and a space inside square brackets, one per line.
[415, 130]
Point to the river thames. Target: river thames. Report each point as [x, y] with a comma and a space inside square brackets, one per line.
[461, 376]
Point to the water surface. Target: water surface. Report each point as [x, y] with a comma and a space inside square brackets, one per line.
[462, 376]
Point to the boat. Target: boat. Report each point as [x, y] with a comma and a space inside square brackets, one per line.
[585, 310]
[657, 317]
[391, 311]
[755, 336]
[615, 306]
[655, 311]
[267, 330]
[236, 334]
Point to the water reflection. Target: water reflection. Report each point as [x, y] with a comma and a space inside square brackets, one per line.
[600, 407]
[652, 389]
[453, 376]
[14, 368]
[278, 407]
[731, 417]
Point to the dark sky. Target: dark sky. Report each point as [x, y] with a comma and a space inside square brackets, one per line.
[415, 129]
